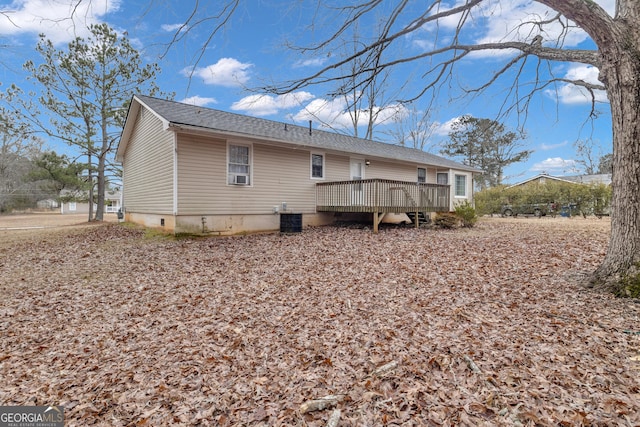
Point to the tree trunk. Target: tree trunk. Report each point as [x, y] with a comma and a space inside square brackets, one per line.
[620, 270]
[102, 161]
[90, 177]
[101, 187]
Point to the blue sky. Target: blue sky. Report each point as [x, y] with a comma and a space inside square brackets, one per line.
[250, 52]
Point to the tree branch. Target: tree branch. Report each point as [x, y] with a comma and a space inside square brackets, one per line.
[459, 51]
[588, 15]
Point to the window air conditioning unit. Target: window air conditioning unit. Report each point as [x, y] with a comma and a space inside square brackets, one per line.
[241, 179]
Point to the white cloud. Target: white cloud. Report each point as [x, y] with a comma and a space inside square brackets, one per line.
[548, 147]
[313, 62]
[391, 113]
[228, 72]
[60, 20]
[173, 27]
[265, 105]
[583, 72]
[494, 21]
[450, 22]
[199, 101]
[447, 22]
[572, 94]
[515, 20]
[335, 113]
[555, 165]
[444, 129]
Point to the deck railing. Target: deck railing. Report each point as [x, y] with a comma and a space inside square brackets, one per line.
[381, 195]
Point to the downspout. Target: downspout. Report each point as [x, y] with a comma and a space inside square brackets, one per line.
[122, 189]
[175, 178]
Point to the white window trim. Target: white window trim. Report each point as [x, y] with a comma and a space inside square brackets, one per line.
[240, 144]
[324, 165]
[455, 186]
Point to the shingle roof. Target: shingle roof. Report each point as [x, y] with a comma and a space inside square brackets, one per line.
[540, 176]
[176, 113]
[603, 178]
[583, 179]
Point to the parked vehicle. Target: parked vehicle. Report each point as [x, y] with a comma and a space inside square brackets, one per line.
[570, 210]
[573, 209]
[536, 209]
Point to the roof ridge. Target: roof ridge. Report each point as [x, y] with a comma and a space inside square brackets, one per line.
[245, 116]
[182, 113]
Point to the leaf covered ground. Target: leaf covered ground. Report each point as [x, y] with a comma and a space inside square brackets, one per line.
[487, 326]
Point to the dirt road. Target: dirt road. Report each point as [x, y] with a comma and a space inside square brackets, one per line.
[17, 227]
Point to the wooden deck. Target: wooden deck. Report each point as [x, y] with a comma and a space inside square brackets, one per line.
[381, 196]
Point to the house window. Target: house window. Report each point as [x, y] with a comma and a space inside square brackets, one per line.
[239, 164]
[422, 175]
[317, 166]
[442, 178]
[461, 186]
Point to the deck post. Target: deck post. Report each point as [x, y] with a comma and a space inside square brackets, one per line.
[375, 222]
[417, 220]
[377, 219]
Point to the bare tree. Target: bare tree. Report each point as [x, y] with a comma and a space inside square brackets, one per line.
[616, 56]
[366, 106]
[589, 155]
[361, 103]
[413, 128]
[18, 148]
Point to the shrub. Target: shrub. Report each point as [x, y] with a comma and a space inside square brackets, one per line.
[447, 220]
[467, 214]
[586, 198]
[490, 200]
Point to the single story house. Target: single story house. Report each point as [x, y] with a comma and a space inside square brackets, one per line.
[190, 169]
[47, 204]
[77, 202]
[581, 179]
[602, 178]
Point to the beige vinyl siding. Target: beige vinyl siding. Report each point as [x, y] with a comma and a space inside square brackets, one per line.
[338, 168]
[201, 174]
[388, 170]
[148, 167]
[432, 176]
[283, 175]
[278, 175]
